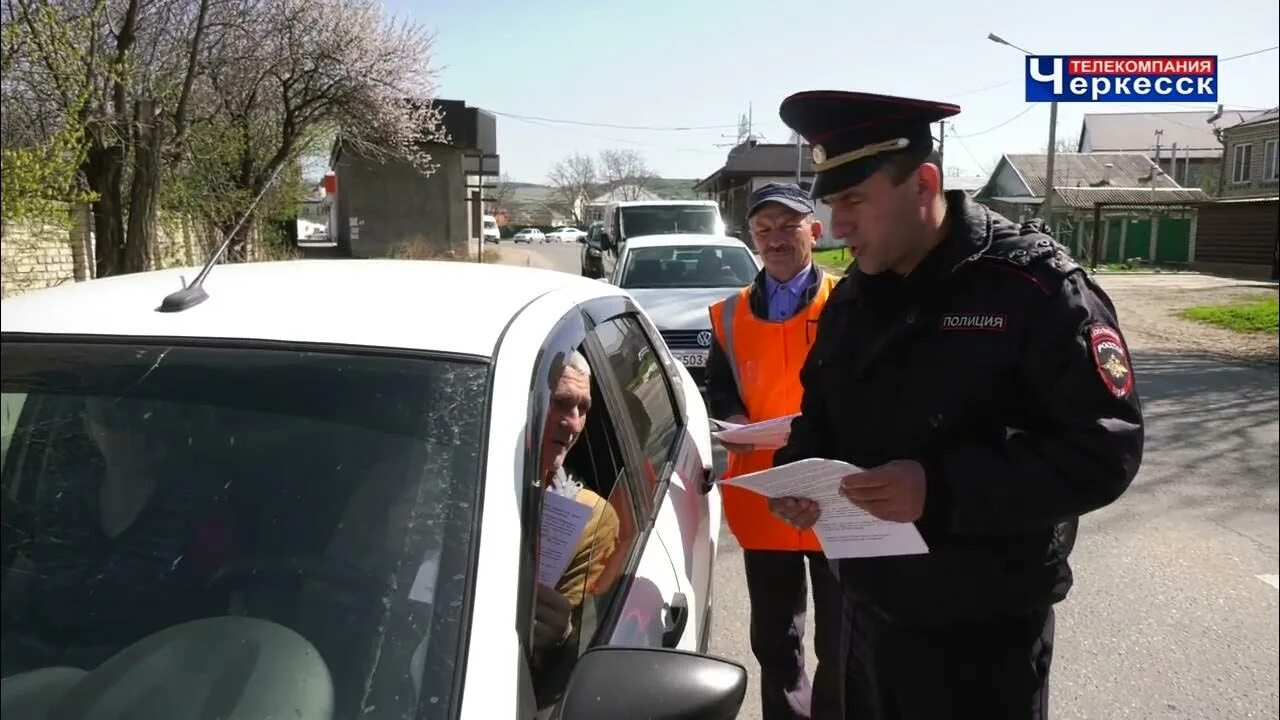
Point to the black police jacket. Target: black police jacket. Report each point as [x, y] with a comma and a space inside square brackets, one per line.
[999, 366]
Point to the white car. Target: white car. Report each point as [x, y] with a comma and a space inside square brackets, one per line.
[529, 235]
[566, 234]
[326, 505]
[676, 278]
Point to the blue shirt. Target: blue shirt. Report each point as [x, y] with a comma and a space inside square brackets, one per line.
[784, 298]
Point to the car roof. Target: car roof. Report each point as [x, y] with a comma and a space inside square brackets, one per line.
[449, 307]
[641, 203]
[646, 241]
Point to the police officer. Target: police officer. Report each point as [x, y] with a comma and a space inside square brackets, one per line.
[979, 378]
[761, 336]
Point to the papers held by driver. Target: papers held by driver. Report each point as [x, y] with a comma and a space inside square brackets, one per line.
[563, 520]
[764, 435]
[844, 529]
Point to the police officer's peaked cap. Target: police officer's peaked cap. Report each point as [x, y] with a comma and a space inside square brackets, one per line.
[853, 134]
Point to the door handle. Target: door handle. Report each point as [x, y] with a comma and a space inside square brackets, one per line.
[674, 623]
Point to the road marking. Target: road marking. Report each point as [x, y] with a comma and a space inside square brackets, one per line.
[1272, 580]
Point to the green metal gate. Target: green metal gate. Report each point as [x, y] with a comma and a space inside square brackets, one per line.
[1137, 242]
[1173, 244]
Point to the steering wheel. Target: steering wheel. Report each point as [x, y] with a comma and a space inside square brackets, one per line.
[348, 578]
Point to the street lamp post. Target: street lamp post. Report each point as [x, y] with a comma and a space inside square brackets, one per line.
[1047, 208]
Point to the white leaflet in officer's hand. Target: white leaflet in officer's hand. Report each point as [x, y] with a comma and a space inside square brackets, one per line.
[722, 425]
[844, 529]
[764, 435]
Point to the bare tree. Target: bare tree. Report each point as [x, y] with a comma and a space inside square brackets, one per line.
[1064, 144]
[291, 73]
[503, 193]
[625, 174]
[195, 104]
[572, 180]
[118, 74]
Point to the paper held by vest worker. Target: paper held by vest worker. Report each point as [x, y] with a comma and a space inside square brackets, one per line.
[844, 529]
[763, 435]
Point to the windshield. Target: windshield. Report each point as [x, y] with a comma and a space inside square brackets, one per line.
[688, 266]
[669, 220]
[251, 490]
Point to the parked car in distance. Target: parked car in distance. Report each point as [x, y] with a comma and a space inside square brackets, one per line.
[566, 234]
[343, 509]
[529, 235]
[676, 278]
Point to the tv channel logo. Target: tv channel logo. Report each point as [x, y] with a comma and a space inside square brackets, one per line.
[1122, 78]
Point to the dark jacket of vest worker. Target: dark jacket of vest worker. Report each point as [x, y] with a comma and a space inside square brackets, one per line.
[998, 364]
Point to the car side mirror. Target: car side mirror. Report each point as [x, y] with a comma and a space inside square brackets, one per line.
[624, 683]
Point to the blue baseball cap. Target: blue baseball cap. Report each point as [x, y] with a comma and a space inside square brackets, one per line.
[789, 194]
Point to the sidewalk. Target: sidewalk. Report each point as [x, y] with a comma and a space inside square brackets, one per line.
[514, 256]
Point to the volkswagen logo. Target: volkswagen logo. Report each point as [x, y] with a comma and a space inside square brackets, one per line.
[704, 338]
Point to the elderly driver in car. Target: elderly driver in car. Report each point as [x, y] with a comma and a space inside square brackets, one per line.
[593, 566]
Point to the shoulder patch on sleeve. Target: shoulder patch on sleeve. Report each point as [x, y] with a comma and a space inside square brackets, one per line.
[1111, 358]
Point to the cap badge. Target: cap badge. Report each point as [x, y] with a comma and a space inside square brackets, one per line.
[863, 152]
[819, 154]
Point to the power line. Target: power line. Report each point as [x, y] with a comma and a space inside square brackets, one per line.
[625, 141]
[993, 128]
[983, 89]
[965, 146]
[611, 126]
[1252, 52]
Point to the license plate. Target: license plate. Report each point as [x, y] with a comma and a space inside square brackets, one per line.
[694, 359]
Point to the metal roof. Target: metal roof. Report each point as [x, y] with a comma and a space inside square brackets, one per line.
[1081, 197]
[1266, 116]
[1128, 169]
[1137, 131]
[763, 159]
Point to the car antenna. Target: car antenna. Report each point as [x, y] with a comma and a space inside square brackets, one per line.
[194, 294]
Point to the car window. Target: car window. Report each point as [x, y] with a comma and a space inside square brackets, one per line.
[668, 219]
[148, 486]
[688, 266]
[588, 529]
[646, 392]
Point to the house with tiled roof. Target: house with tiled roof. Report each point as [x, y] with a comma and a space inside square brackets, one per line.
[1184, 145]
[1135, 210]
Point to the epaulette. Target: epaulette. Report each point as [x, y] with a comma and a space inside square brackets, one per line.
[1035, 248]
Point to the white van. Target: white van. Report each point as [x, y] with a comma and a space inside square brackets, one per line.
[624, 220]
[489, 229]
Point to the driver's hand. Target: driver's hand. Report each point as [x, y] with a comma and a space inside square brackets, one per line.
[551, 625]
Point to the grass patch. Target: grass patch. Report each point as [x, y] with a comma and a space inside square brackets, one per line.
[833, 259]
[1249, 317]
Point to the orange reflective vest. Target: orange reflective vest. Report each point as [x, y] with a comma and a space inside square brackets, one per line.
[766, 358]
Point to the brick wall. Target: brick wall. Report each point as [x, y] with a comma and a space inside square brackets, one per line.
[1257, 183]
[38, 254]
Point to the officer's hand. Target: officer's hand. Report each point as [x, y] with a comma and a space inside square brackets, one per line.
[551, 617]
[737, 447]
[894, 491]
[800, 513]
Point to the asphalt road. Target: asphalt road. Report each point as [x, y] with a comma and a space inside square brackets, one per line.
[1176, 610]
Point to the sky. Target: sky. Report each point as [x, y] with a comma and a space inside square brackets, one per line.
[703, 63]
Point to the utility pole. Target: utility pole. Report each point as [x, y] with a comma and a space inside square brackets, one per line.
[942, 141]
[799, 157]
[1046, 209]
